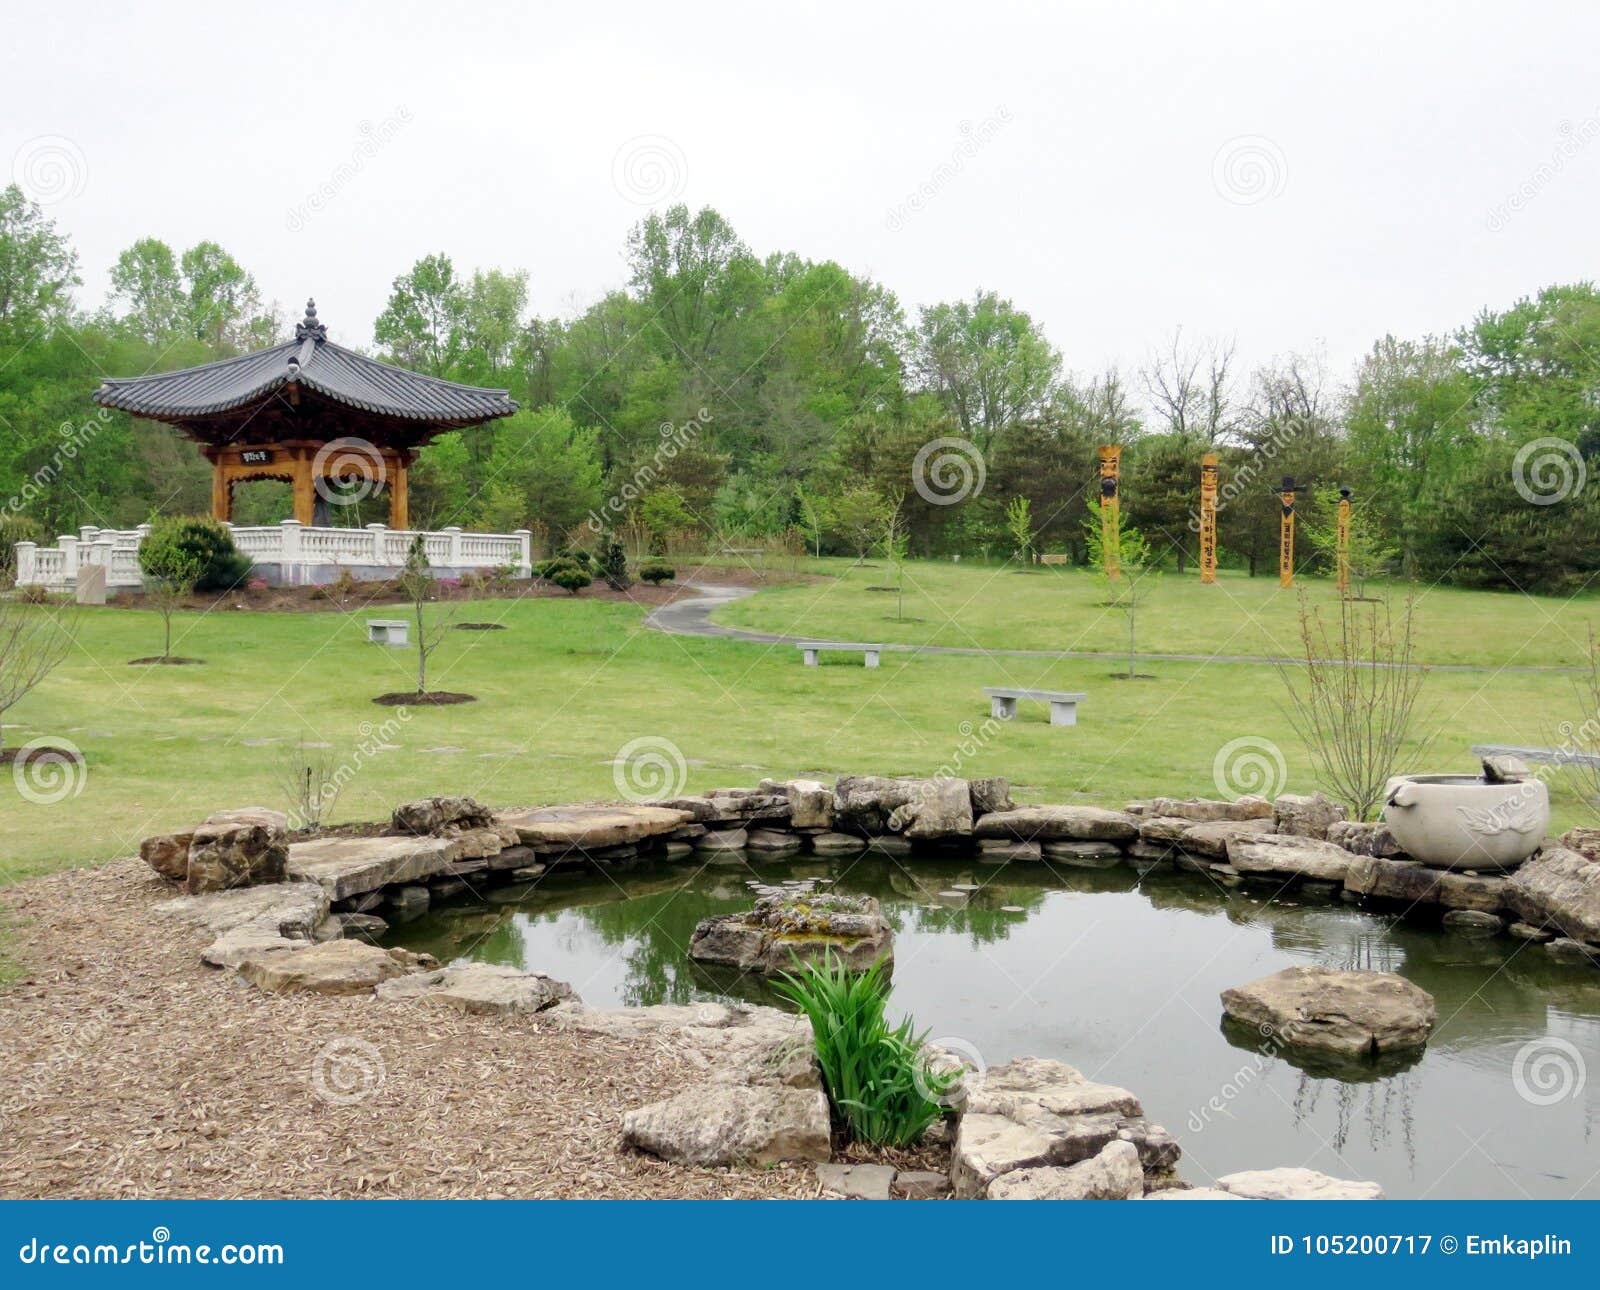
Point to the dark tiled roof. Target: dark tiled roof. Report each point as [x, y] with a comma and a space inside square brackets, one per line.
[315, 363]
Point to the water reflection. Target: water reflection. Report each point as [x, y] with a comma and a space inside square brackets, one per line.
[1119, 974]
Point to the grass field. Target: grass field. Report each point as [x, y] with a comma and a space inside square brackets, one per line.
[1054, 608]
[572, 683]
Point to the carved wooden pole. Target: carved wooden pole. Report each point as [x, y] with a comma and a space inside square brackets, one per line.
[1286, 533]
[1208, 517]
[1344, 540]
[1110, 514]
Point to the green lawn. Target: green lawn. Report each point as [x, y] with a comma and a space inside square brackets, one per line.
[573, 681]
[1053, 608]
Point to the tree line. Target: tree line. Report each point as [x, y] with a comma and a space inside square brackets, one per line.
[797, 397]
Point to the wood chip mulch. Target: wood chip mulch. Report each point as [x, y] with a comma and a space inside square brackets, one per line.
[131, 1070]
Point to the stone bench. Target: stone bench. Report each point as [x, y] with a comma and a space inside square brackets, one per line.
[389, 631]
[1063, 705]
[1055, 559]
[814, 649]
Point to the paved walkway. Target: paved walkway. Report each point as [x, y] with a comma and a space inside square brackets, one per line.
[691, 616]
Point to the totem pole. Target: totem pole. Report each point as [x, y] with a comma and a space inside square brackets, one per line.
[1286, 492]
[1208, 517]
[1110, 517]
[1344, 539]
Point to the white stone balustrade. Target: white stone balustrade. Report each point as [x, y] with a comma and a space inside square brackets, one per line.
[286, 554]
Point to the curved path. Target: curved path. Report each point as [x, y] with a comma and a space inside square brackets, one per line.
[691, 616]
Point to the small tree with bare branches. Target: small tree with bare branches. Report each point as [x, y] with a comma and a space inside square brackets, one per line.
[419, 584]
[1353, 695]
[33, 640]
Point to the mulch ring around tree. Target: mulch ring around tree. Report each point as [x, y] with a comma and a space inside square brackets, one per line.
[157, 660]
[38, 755]
[426, 699]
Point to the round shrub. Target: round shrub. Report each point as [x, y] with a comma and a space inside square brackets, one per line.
[179, 547]
[657, 572]
[569, 576]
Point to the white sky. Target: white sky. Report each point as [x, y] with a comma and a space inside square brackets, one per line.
[1389, 133]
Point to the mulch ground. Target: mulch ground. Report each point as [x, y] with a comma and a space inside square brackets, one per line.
[131, 1070]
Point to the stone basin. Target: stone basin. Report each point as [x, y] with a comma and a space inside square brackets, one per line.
[1466, 821]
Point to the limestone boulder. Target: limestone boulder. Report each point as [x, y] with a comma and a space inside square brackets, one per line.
[1213, 839]
[1327, 1010]
[1059, 823]
[1306, 816]
[810, 802]
[1586, 842]
[1558, 889]
[782, 927]
[335, 967]
[168, 854]
[988, 1147]
[239, 848]
[352, 866]
[1162, 830]
[1289, 855]
[439, 816]
[1027, 1085]
[1201, 810]
[1365, 839]
[1114, 1174]
[942, 809]
[864, 803]
[585, 828]
[856, 1182]
[1191, 1193]
[990, 795]
[1414, 883]
[289, 909]
[729, 1124]
[728, 1043]
[478, 988]
[1295, 1184]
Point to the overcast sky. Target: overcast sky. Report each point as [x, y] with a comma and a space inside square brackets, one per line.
[1290, 175]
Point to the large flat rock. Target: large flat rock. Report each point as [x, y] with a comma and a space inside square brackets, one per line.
[1558, 889]
[1415, 883]
[1292, 1183]
[588, 828]
[346, 867]
[290, 909]
[479, 988]
[727, 1124]
[1350, 1014]
[334, 967]
[1114, 1174]
[1058, 823]
[1288, 856]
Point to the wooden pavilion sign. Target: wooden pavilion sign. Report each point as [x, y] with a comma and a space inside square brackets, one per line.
[337, 425]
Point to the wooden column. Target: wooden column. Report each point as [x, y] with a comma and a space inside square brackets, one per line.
[305, 497]
[221, 493]
[1208, 518]
[399, 502]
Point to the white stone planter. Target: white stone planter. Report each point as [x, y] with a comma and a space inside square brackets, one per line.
[1465, 822]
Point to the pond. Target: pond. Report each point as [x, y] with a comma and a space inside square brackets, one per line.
[1119, 975]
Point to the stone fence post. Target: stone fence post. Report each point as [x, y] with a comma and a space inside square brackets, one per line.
[525, 552]
[27, 567]
[377, 531]
[68, 542]
[289, 552]
[454, 559]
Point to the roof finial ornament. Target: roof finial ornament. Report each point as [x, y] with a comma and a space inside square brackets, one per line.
[308, 328]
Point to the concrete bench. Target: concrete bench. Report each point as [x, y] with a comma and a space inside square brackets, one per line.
[813, 649]
[1055, 559]
[1063, 705]
[394, 632]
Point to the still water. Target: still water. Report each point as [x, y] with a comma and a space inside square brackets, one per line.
[1119, 975]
